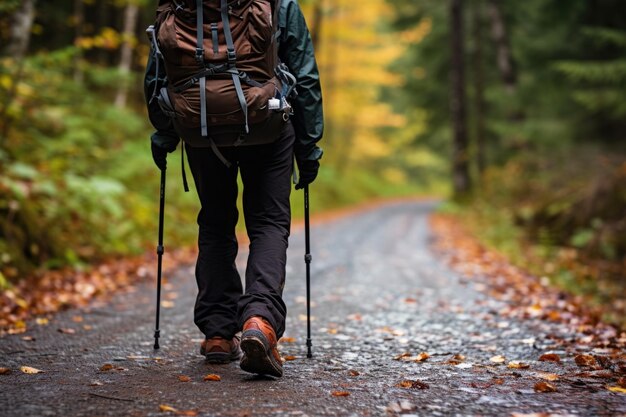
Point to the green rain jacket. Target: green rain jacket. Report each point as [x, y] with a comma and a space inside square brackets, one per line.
[296, 51]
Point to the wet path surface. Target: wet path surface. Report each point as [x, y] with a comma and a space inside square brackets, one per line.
[380, 299]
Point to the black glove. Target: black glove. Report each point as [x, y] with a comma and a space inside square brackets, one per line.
[308, 171]
[159, 155]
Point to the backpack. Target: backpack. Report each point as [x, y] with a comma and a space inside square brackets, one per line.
[225, 84]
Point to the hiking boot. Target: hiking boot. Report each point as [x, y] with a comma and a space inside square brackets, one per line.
[259, 345]
[220, 350]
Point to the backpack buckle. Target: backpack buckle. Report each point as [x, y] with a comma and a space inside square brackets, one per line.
[232, 57]
[200, 55]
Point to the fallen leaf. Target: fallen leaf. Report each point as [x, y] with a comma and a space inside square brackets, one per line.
[212, 377]
[28, 338]
[544, 387]
[340, 393]
[402, 356]
[412, 384]
[410, 300]
[550, 357]
[106, 367]
[96, 384]
[87, 326]
[77, 319]
[421, 357]
[617, 389]
[189, 413]
[332, 331]
[497, 359]
[29, 370]
[518, 365]
[547, 376]
[183, 378]
[352, 372]
[287, 340]
[167, 304]
[66, 331]
[289, 358]
[42, 321]
[355, 316]
[167, 408]
[5, 371]
[585, 360]
[18, 330]
[456, 359]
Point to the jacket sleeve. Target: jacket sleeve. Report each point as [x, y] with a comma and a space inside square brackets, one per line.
[296, 51]
[165, 136]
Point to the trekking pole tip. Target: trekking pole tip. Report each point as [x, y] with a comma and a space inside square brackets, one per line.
[157, 334]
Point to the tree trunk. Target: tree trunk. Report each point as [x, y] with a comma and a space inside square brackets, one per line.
[79, 20]
[316, 24]
[131, 15]
[479, 85]
[21, 24]
[460, 161]
[506, 64]
[19, 39]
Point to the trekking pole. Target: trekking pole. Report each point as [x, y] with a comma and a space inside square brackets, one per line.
[307, 261]
[160, 251]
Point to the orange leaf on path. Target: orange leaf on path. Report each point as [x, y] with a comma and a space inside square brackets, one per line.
[352, 372]
[212, 377]
[66, 331]
[547, 376]
[412, 384]
[290, 358]
[421, 357]
[544, 387]
[585, 360]
[340, 393]
[402, 356]
[167, 408]
[617, 389]
[184, 378]
[30, 370]
[497, 359]
[518, 365]
[5, 371]
[287, 340]
[550, 357]
[106, 367]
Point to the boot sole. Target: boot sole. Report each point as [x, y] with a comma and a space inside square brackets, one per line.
[221, 358]
[257, 358]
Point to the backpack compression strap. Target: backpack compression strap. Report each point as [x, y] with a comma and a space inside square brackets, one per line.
[232, 60]
[200, 60]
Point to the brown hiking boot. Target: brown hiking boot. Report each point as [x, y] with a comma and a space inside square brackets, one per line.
[259, 345]
[220, 350]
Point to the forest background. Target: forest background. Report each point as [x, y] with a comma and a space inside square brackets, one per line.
[513, 112]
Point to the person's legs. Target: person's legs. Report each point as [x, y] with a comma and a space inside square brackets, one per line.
[266, 173]
[219, 284]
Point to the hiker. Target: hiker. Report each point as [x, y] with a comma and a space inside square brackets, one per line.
[233, 320]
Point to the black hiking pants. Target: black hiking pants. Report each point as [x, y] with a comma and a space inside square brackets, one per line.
[222, 306]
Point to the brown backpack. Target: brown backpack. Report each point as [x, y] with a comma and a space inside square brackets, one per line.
[225, 83]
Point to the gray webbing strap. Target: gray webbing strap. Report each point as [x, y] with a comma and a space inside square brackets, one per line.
[219, 155]
[232, 59]
[200, 59]
[214, 38]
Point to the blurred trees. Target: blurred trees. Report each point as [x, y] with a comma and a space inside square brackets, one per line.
[545, 119]
[77, 182]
